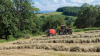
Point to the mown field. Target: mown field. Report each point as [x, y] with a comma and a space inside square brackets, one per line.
[77, 44]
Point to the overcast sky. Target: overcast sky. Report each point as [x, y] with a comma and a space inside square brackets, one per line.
[52, 5]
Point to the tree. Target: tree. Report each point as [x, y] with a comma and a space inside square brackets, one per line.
[7, 19]
[86, 17]
[60, 21]
[97, 24]
[25, 15]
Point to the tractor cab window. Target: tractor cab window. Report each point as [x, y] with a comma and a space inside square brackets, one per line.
[63, 27]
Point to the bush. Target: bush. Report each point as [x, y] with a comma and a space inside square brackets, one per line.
[57, 29]
[11, 38]
[37, 34]
[87, 29]
[77, 30]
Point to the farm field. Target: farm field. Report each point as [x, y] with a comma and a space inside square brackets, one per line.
[57, 14]
[77, 44]
[48, 14]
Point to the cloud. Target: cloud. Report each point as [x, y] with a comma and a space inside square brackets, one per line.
[47, 2]
[82, 1]
[52, 4]
[63, 1]
[55, 1]
[37, 4]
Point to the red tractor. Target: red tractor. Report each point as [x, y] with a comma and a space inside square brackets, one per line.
[51, 32]
[64, 30]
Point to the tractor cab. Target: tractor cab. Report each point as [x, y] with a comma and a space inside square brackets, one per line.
[63, 27]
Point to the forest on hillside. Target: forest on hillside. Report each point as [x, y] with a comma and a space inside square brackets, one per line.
[70, 11]
[87, 15]
[17, 18]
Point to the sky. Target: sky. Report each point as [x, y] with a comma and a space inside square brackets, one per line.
[52, 5]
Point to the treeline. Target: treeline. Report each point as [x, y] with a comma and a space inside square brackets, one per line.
[70, 11]
[51, 22]
[17, 18]
[88, 16]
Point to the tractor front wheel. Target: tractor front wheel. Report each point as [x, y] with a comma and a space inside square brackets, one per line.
[70, 32]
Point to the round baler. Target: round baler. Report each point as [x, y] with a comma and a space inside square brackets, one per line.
[51, 32]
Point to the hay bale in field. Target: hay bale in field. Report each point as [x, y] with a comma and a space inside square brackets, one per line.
[28, 36]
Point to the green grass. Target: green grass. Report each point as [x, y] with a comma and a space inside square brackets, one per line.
[86, 29]
[49, 14]
[13, 39]
[56, 15]
[73, 17]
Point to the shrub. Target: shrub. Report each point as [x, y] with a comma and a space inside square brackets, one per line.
[11, 38]
[87, 29]
[77, 30]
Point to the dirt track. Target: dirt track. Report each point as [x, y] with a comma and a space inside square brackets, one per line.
[77, 44]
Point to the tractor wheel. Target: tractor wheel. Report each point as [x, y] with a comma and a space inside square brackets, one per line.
[61, 33]
[70, 32]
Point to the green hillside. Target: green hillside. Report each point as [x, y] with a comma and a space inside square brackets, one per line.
[48, 14]
[55, 14]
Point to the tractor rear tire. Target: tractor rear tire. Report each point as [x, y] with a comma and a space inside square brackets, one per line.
[70, 32]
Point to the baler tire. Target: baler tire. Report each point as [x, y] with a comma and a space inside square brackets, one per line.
[50, 34]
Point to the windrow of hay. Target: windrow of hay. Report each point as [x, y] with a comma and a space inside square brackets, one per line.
[95, 31]
[68, 40]
[55, 47]
[85, 35]
[80, 40]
